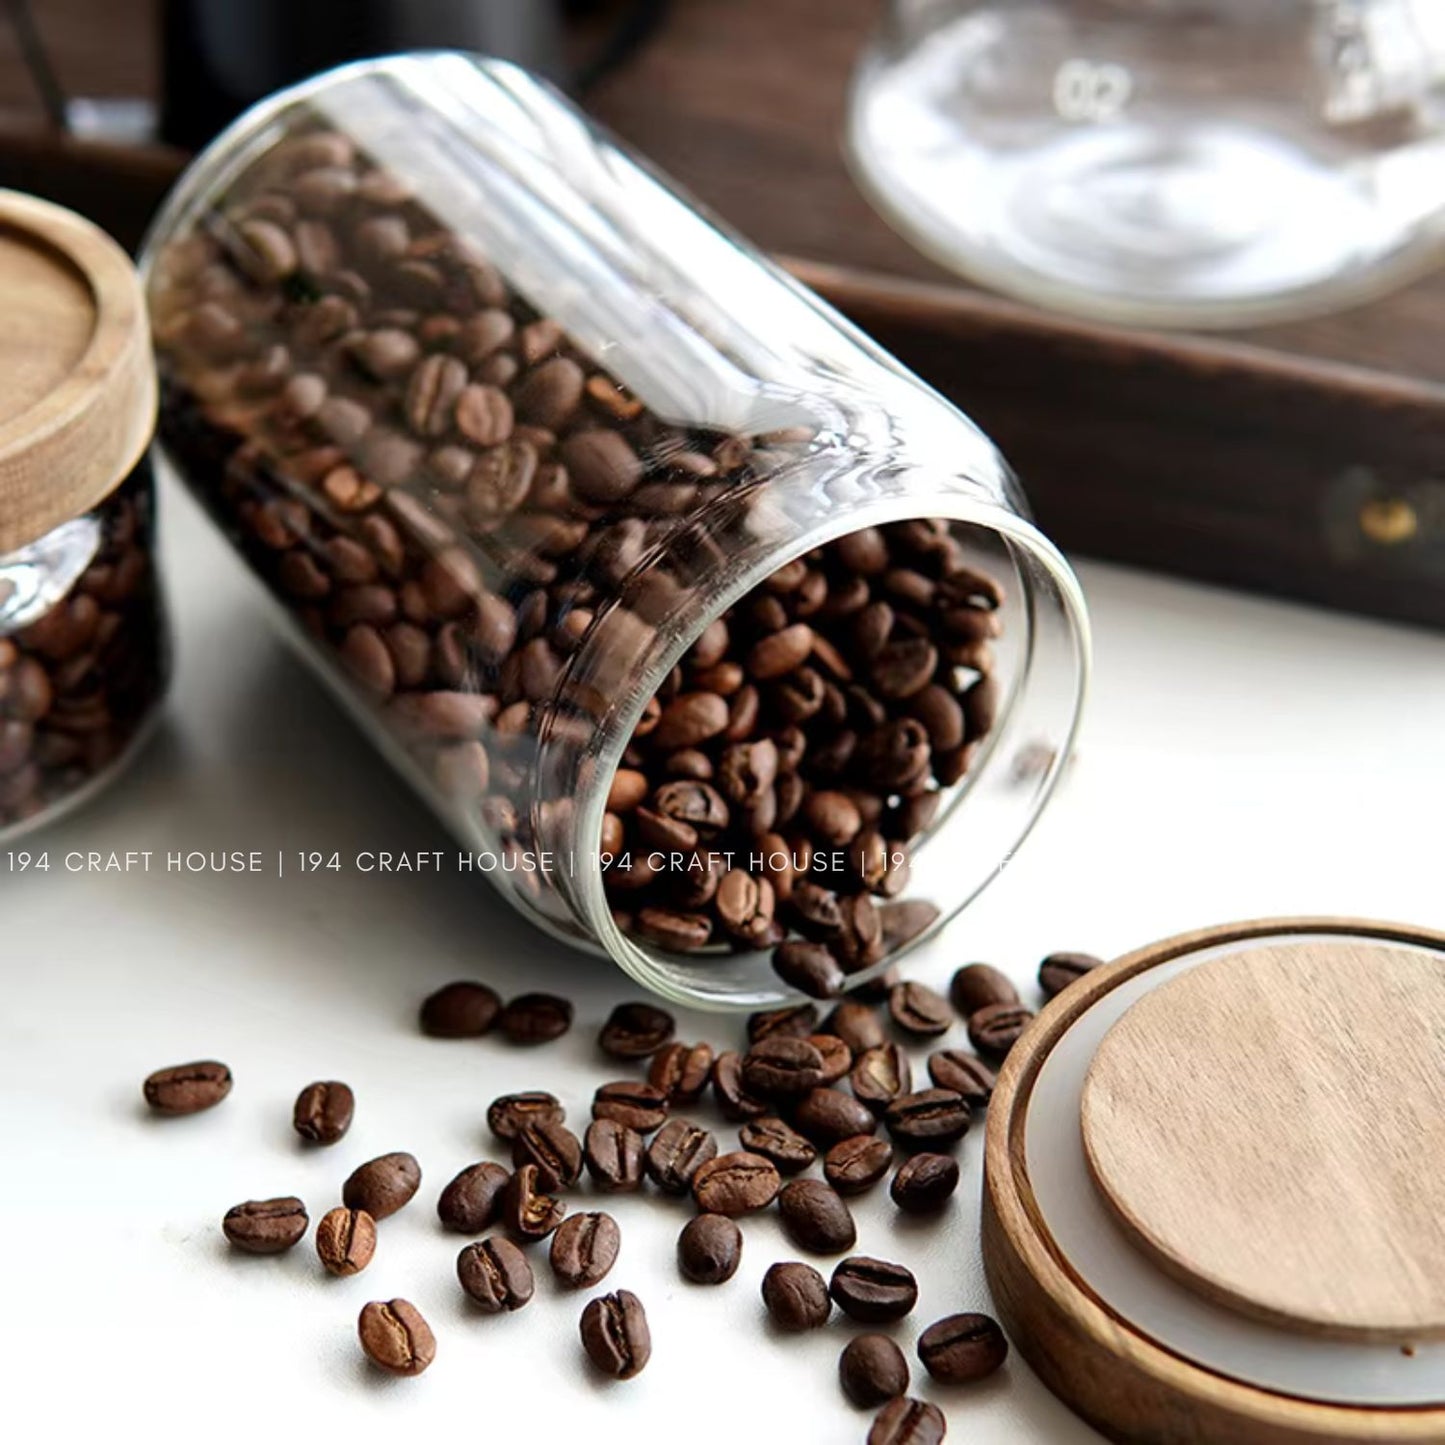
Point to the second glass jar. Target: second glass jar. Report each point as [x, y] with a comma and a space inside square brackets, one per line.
[719, 639]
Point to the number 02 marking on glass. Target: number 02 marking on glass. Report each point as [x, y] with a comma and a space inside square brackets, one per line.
[1092, 90]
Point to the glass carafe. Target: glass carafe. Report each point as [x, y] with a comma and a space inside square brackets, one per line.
[1165, 162]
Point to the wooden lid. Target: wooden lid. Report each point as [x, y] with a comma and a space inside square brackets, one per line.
[77, 380]
[1270, 1127]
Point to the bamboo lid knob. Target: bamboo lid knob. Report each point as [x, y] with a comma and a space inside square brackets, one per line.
[1270, 1128]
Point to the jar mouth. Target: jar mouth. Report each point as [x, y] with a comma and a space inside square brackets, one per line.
[1038, 717]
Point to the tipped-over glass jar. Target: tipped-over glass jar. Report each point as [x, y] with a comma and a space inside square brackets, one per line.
[83, 643]
[720, 640]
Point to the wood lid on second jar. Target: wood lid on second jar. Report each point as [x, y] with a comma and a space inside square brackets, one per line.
[77, 379]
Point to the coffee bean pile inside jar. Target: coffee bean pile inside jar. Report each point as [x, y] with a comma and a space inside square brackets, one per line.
[83, 645]
[806, 1091]
[455, 498]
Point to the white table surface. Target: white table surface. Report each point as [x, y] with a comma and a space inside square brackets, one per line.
[1240, 758]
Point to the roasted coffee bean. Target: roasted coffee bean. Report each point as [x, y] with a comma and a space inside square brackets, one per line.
[460, 1011]
[709, 1249]
[976, 985]
[995, 1029]
[906, 1421]
[527, 1209]
[508, 1115]
[900, 923]
[635, 1031]
[796, 1297]
[781, 1068]
[924, 1183]
[495, 1275]
[732, 1097]
[875, 990]
[1059, 970]
[536, 1018]
[837, 1056]
[266, 1226]
[690, 719]
[681, 1071]
[554, 1149]
[382, 1185]
[188, 1088]
[857, 1025]
[872, 1370]
[810, 968]
[815, 1217]
[615, 1334]
[854, 1165]
[962, 1348]
[919, 1010]
[965, 1074]
[673, 929]
[738, 1183]
[744, 905]
[323, 1112]
[930, 1117]
[345, 1241]
[584, 1249]
[395, 1337]
[676, 1153]
[640, 1106]
[780, 654]
[873, 1291]
[795, 1021]
[880, 1076]
[828, 1116]
[816, 911]
[615, 1156]
[775, 1140]
[472, 1201]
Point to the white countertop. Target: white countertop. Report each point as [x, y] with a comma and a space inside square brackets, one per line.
[1240, 758]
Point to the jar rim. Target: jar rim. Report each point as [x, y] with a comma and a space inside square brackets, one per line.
[664, 974]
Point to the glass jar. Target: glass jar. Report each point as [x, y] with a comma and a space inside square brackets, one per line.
[1166, 162]
[573, 499]
[84, 655]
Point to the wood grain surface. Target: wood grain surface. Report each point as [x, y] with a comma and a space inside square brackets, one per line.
[1269, 1128]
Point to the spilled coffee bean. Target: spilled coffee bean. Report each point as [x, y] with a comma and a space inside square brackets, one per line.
[872, 1370]
[584, 1249]
[796, 1297]
[323, 1112]
[188, 1088]
[615, 1334]
[962, 1348]
[495, 1275]
[709, 1249]
[472, 1201]
[345, 1241]
[266, 1226]
[395, 1337]
[383, 1185]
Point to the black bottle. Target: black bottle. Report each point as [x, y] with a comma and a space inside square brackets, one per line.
[221, 56]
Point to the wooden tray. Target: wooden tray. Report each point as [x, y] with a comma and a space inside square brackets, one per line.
[1306, 460]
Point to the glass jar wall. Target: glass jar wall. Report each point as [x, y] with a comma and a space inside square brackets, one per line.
[667, 589]
[83, 653]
